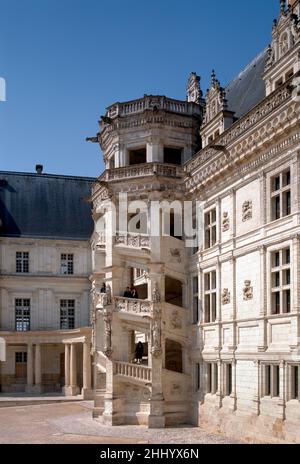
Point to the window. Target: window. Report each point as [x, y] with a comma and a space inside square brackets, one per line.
[22, 314]
[271, 380]
[210, 297]
[138, 156]
[228, 379]
[67, 314]
[210, 225]
[195, 297]
[281, 195]
[197, 376]
[295, 392]
[67, 264]
[281, 281]
[22, 261]
[212, 378]
[172, 155]
[21, 357]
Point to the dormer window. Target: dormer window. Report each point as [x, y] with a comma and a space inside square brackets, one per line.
[284, 44]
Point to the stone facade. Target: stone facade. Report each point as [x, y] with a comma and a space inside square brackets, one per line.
[223, 335]
[219, 322]
[44, 286]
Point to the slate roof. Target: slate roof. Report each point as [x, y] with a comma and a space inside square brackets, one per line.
[45, 206]
[247, 89]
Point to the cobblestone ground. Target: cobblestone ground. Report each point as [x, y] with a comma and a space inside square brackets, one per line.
[72, 423]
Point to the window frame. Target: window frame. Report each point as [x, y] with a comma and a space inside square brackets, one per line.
[22, 314]
[22, 262]
[67, 320]
[210, 295]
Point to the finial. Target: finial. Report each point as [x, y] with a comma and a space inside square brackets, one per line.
[282, 6]
[213, 77]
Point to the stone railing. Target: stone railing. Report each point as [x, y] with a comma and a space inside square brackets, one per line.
[142, 170]
[101, 239]
[132, 306]
[150, 102]
[132, 240]
[134, 371]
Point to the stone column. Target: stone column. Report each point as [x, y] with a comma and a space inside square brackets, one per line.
[233, 383]
[29, 385]
[86, 368]
[38, 369]
[74, 390]
[67, 364]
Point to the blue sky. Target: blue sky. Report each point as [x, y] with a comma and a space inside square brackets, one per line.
[65, 61]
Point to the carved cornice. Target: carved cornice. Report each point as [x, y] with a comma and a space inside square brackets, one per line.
[257, 114]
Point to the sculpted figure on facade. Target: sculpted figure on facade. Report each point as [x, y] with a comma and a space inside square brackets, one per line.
[247, 211]
[107, 335]
[156, 337]
[248, 290]
[155, 293]
[226, 296]
[225, 222]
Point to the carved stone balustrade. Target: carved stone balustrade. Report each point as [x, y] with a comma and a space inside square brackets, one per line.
[133, 240]
[132, 306]
[133, 371]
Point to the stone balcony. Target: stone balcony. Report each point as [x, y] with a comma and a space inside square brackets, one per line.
[132, 306]
[142, 170]
[132, 240]
[150, 102]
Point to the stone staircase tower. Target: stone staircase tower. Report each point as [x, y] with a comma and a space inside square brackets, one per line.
[145, 142]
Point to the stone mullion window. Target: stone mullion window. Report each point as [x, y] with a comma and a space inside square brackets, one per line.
[22, 314]
[67, 314]
[227, 376]
[195, 299]
[210, 297]
[281, 195]
[22, 262]
[210, 228]
[212, 378]
[271, 380]
[294, 382]
[67, 264]
[281, 281]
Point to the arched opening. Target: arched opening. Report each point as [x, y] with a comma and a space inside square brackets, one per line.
[173, 356]
[173, 291]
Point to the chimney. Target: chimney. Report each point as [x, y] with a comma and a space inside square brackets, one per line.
[39, 168]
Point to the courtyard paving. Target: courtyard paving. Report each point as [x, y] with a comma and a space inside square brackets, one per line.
[59, 423]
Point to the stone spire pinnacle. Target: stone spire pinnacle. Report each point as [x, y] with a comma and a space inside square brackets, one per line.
[282, 6]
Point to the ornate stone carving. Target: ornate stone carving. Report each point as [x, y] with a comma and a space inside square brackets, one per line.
[226, 298]
[155, 293]
[175, 320]
[156, 337]
[194, 93]
[225, 222]
[107, 335]
[108, 294]
[175, 253]
[248, 290]
[247, 211]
